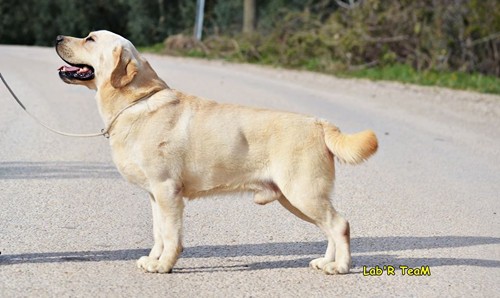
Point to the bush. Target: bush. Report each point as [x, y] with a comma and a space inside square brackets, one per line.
[447, 35]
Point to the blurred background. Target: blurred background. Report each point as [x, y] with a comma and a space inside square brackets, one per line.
[454, 43]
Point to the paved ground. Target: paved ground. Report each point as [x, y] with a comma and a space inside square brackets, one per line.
[430, 197]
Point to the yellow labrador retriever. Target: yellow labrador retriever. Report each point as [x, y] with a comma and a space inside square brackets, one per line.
[178, 146]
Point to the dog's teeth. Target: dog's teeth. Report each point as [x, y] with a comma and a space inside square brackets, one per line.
[81, 70]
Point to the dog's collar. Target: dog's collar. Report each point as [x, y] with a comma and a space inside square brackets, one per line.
[105, 131]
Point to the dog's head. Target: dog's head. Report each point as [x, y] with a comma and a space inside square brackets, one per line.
[104, 60]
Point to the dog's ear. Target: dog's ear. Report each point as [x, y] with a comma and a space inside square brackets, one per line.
[125, 67]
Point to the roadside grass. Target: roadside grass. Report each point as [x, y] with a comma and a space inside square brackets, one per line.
[396, 72]
[157, 48]
[407, 74]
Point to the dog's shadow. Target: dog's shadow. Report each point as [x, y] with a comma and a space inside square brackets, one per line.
[367, 251]
[57, 170]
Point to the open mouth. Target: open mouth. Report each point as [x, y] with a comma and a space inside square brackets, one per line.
[78, 72]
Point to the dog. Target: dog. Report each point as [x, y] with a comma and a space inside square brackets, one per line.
[178, 146]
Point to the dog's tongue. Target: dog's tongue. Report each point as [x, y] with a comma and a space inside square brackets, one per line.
[69, 68]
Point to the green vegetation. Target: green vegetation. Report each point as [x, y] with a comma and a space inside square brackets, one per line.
[157, 48]
[396, 72]
[455, 80]
[445, 43]
[452, 43]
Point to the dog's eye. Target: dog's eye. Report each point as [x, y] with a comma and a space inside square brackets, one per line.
[90, 38]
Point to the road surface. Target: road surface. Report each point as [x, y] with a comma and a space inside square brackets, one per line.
[429, 199]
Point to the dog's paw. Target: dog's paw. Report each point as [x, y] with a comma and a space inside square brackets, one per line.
[153, 265]
[329, 267]
[319, 263]
[336, 268]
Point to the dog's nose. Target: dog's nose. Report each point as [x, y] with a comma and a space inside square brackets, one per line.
[59, 39]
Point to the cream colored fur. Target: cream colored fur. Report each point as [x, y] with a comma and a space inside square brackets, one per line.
[178, 146]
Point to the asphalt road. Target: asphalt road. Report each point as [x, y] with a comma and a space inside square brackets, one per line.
[430, 198]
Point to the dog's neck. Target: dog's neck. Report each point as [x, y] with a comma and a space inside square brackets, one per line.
[111, 101]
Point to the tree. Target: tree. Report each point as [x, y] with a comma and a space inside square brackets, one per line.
[249, 16]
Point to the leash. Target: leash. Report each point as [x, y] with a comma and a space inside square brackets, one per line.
[104, 132]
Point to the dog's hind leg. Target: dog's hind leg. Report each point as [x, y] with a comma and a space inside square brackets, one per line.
[288, 206]
[168, 228]
[337, 259]
[318, 210]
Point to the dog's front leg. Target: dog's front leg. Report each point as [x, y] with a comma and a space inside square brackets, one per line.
[157, 233]
[167, 206]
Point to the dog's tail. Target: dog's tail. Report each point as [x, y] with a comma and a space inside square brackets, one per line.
[352, 149]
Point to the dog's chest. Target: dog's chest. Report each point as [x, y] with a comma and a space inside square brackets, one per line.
[133, 174]
[127, 164]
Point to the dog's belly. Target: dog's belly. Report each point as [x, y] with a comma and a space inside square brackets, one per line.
[204, 182]
[195, 186]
